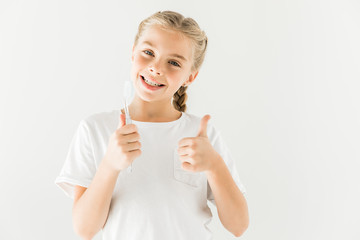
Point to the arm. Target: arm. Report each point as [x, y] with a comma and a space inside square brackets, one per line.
[197, 154]
[230, 202]
[91, 206]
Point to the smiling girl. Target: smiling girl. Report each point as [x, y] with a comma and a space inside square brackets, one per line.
[179, 161]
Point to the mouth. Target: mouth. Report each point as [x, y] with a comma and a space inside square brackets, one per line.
[151, 83]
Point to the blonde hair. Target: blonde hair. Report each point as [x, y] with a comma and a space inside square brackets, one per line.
[189, 28]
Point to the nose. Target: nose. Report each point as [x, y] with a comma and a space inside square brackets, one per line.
[155, 69]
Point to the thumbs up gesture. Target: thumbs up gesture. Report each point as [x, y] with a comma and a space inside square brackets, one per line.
[196, 153]
[124, 146]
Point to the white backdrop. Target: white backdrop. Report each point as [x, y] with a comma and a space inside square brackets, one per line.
[280, 80]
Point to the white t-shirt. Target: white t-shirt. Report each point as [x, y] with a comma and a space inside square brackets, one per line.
[157, 199]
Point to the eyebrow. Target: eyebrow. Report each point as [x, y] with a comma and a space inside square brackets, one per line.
[173, 55]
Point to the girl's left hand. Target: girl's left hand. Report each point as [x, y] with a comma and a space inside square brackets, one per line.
[196, 153]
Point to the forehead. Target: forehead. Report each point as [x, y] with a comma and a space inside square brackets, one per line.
[167, 41]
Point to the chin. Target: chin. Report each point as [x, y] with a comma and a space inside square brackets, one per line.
[144, 96]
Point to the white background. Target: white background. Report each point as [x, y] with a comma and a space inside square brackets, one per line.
[280, 80]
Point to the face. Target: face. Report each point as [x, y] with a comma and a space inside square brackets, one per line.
[163, 57]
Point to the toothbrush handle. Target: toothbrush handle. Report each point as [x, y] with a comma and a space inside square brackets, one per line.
[128, 121]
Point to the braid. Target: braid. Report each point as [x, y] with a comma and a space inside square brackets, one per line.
[179, 99]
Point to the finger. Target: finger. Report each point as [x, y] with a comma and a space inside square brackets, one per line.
[185, 151]
[203, 126]
[187, 166]
[186, 142]
[186, 159]
[128, 129]
[132, 137]
[135, 153]
[122, 121]
[132, 146]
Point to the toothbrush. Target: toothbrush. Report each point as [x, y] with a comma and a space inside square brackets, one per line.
[127, 96]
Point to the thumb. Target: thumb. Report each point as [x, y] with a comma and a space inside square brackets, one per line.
[122, 120]
[203, 126]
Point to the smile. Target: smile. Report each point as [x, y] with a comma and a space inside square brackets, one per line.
[151, 83]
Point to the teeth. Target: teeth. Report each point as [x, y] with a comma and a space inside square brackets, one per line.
[151, 83]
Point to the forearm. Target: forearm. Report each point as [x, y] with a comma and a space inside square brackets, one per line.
[91, 210]
[230, 202]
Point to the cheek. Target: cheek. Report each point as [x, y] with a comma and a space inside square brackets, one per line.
[177, 77]
[140, 61]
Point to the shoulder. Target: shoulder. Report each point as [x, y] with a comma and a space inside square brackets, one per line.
[102, 116]
[191, 117]
[100, 121]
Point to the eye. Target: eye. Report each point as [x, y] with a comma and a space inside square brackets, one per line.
[147, 52]
[174, 63]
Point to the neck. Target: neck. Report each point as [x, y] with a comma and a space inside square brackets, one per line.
[157, 111]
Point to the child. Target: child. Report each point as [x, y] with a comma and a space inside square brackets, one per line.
[178, 160]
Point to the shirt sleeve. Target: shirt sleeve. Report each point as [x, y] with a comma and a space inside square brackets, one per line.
[79, 167]
[221, 148]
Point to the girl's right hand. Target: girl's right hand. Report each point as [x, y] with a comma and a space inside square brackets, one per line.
[124, 146]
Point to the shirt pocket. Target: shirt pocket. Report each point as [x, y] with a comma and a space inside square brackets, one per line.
[189, 178]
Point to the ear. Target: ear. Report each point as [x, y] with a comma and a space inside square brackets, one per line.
[132, 53]
[191, 78]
